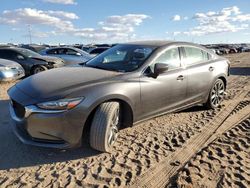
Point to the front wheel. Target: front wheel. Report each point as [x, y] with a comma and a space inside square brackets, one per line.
[105, 126]
[216, 94]
[39, 68]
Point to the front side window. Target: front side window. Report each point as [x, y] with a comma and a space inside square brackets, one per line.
[171, 57]
[53, 51]
[194, 55]
[122, 58]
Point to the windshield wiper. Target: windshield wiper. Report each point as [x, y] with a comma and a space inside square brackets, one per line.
[98, 67]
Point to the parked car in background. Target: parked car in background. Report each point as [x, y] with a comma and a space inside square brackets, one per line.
[246, 49]
[31, 62]
[88, 48]
[124, 85]
[10, 70]
[70, 55]
[96, 51]
[34, 47]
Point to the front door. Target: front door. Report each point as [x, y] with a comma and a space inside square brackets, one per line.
[168, 90]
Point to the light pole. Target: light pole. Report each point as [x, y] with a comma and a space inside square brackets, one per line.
[29, 29]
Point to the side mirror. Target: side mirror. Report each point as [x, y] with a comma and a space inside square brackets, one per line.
[160, 68]
[20, 57]
[78, 54]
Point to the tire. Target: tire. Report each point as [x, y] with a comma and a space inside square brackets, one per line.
[105, 126]
[216, 94]
[38, 68]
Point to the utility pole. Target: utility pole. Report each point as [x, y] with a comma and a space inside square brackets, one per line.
[29, 29]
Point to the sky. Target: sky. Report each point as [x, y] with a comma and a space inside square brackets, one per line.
[112, 21]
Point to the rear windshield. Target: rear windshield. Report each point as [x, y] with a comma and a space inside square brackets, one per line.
[28, 53]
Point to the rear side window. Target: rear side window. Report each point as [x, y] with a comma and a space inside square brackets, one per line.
[209, 56]
[7, 54]
[70, 52]
[170, 57]
[194, 55]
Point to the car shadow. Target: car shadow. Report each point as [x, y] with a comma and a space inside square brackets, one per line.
[240, 71]
[14, 154]
[194, 109]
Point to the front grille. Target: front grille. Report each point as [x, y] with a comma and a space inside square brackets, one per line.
[19, 109]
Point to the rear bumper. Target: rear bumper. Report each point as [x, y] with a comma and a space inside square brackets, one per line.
[48, 129]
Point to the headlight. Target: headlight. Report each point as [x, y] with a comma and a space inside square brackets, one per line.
[62, 104]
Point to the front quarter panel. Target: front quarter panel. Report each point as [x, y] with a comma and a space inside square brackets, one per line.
[127, 90]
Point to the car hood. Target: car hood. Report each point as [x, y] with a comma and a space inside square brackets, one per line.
[60, 82]
[49, 59]
[8, 63]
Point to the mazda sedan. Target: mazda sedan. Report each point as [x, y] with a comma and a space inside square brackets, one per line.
[124, 85]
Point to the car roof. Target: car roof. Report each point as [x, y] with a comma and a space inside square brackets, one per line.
[161, 43]
[61, 47]
[156, 43]
[13, 48]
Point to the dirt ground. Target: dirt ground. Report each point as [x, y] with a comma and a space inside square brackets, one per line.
[193, 148]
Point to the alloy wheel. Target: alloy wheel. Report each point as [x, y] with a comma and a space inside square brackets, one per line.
[114, 128]
[38, 69]
[217, 93]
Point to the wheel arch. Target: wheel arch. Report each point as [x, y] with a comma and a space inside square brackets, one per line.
[126, 108]
[223, 78]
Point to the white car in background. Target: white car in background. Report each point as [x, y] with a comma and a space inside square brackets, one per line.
[70, 55]
[10, 70]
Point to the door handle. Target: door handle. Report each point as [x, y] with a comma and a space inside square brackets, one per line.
[211, 69]
[181, 77]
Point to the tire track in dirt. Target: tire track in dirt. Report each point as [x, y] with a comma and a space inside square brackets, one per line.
[159, 175]
[224, 163]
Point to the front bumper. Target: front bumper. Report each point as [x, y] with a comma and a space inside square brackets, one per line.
[12, 74]
[52, 65]
[53, 129]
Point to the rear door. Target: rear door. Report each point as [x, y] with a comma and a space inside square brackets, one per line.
[168, 90]
[200, 73]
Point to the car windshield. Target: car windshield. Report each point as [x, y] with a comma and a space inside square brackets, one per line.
[122, 58]
[28, 53]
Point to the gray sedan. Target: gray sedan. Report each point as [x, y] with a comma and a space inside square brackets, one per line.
[123, 86]
[10, 70]
[70, 55]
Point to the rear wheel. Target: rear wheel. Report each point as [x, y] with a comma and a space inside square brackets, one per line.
[105, 126]
[39, 68]
[216, 94]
